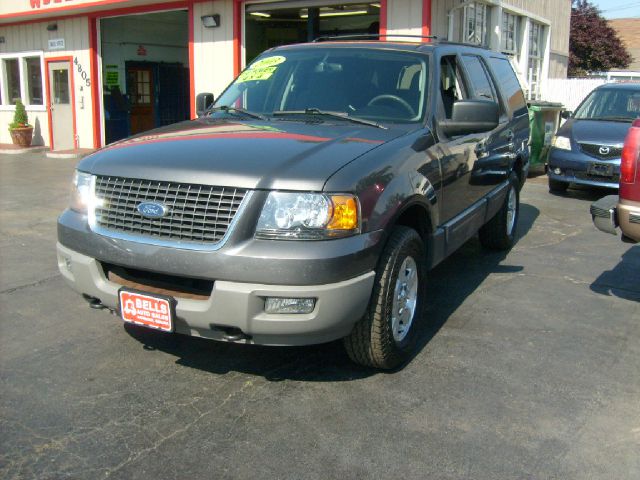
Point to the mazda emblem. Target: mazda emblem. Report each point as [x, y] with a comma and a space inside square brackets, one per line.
[604, 150]
[152, 209]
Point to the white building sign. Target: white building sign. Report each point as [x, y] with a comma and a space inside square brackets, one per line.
[56, 44]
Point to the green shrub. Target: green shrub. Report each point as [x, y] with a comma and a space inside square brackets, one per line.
[20, 118]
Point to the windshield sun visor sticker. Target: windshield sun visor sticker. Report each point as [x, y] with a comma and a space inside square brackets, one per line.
[261, 70]
[268, 62]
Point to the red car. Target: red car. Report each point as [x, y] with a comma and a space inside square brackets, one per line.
[623, 210]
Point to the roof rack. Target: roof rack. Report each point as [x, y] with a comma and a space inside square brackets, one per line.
[370, 36]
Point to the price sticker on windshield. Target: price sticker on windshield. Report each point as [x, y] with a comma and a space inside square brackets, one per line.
[261, 70]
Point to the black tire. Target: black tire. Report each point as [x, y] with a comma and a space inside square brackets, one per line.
[499, 233]
[371, 342]
[556, 186]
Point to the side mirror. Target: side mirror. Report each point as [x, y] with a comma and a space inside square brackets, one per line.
[471, 116]
[566, 114]
[203, 102]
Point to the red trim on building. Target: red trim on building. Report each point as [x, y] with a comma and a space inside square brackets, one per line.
[114, 12]
[383, 19]
[426, 17]
[73, 97]
[157, 7]
[65, 8]
[192, 76]
[95, 84]
[237, 36]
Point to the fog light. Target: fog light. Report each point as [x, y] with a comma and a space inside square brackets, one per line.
[67, 263]
[557, 171]
[289, 305]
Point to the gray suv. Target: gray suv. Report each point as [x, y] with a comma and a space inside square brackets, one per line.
[308, 202]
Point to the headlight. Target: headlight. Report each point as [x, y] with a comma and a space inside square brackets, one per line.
[80, 192]
[308, 216]
[563, 143]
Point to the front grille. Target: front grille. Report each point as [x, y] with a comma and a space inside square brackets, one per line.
[594, 150]
[195, 213]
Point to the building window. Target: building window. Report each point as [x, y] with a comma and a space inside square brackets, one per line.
[535, 60]
[509, 33]
[21, 79]
[33, 67]
[139, 83]
[12, 75]
[475, 23]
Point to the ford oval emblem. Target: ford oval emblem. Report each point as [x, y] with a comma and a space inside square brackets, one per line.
[152, 209]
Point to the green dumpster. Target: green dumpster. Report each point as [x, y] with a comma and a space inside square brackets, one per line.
[544, 119]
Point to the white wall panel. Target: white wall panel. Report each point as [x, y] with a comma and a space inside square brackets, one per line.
[213, 48]
[404, 17]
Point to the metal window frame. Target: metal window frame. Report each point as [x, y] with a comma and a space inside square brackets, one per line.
[507, 16]
[466, 34]
[535, 59]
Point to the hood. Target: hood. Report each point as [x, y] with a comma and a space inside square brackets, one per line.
[599, 132]
[259, 154]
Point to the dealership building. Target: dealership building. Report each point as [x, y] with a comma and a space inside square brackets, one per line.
[93, 71]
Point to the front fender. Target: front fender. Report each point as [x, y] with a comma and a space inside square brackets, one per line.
[403, 193]
[391, 179]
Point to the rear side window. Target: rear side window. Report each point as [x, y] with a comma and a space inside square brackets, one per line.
[509, 85]
[480, 83]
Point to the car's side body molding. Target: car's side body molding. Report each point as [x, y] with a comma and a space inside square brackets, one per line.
[453, 234]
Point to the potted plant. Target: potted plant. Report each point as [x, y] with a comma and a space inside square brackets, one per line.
[20, 130]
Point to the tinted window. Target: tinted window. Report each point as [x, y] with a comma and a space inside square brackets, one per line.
[610, 104]
[480, 83]
[506, 78]
[372, 84]
[451, 85]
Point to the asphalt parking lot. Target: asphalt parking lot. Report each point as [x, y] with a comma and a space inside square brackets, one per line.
[529, 368]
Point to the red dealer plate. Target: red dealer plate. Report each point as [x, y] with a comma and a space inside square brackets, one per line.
[149, 310]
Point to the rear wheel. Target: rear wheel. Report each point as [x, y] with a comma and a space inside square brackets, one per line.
[557, 186]
[499, 233]
[385, 336]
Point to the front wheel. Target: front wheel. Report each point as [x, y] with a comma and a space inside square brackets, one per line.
[385, 337]
[499, 233]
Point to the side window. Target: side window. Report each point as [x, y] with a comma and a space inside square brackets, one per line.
[504, 74]
[480, 83]
[451, 85]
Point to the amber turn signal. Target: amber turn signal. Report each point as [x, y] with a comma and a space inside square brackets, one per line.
[345, 213]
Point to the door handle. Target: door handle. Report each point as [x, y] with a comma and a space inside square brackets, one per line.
[510, 136]
[480, 150]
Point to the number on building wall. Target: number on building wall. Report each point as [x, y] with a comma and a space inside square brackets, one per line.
[82, 72]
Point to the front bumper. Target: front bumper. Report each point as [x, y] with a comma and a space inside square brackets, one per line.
[239, 305]
[573, 167]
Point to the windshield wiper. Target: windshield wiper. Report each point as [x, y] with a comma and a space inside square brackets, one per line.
[339, 115]
[607, 119]
[228, 109]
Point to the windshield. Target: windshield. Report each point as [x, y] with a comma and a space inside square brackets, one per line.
[378, 85]
[610, 104]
